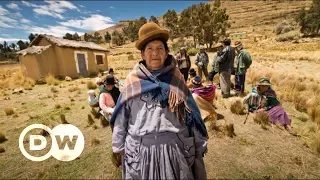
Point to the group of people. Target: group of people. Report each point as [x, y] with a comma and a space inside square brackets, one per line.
[157, 123]
[108, 95]
[228, 60]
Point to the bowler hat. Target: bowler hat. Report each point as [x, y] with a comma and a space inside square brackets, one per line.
[150, 31]
[109, 80]
[196, 81]
[192, 72]
[226, 42]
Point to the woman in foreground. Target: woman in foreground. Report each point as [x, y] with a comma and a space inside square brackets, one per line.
[157, 126]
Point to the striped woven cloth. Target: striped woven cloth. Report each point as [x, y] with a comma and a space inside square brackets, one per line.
[206, 92]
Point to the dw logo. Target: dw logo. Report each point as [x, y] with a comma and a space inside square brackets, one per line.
[67, 142]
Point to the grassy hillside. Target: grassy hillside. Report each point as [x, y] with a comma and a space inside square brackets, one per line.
[255, 17]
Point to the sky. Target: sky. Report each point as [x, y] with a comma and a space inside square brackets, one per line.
[20, 18]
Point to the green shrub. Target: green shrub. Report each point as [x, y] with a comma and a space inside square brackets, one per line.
[292, 35]
[192, 51]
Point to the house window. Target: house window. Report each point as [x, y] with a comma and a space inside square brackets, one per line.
[99, 59]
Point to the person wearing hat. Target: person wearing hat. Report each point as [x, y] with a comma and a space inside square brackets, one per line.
[156, 120]
[202, 61]
[184, 62]
[215, 64]
[264, 98]
[118, 83]
[108, 97]
[204, 96]
[243, 62]
[225, 59]
[192, 74]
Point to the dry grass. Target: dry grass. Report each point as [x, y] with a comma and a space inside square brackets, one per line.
[262, 118]
[237, 107]
[228, 130]
[2, 150]
[57, 106]
[12, 78]
[91, 85]
[2, 138]
[54, 90]
[66, 107]
[63, 119]
[315, 144]
[103, 121]
[95, 141]
[95, 113]
[314, 113]
[90, 120]
[9, 111]
[73, 89]
[51, 80]
[95, 127]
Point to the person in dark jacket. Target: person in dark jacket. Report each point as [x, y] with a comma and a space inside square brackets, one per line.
[215, 64]
[226, 60]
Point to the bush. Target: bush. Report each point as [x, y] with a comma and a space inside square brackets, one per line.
[2, 150]
[54, 90]
[237, 107]
[283, 27]
[9, 111]
[192, 51]
[262, 118]
[95, 141]
[57, 106]
[91, 85]
[73, 89]
[63, 119]
[292, 35]
[90, 120]
[2, 138]
[51, 80]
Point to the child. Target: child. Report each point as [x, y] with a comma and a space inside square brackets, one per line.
[93, 99]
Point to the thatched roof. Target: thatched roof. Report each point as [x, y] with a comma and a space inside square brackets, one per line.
[33, 50]
[67, 43]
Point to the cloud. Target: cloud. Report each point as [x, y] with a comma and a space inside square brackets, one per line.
[28, 4]
[94, 22]
[81, 6]
[58, 31]
[112, 7]
[53, 8]
[17, 14]
[23, 20]
[13, 6]
[6, 22]
[3, 11]
[5, 35]
[12, 39]
[47, 12]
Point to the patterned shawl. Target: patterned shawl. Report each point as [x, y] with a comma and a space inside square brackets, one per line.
[167, 86]
[205, 92]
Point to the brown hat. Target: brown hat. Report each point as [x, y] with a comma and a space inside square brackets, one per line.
[264, 82]
[150, 31]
